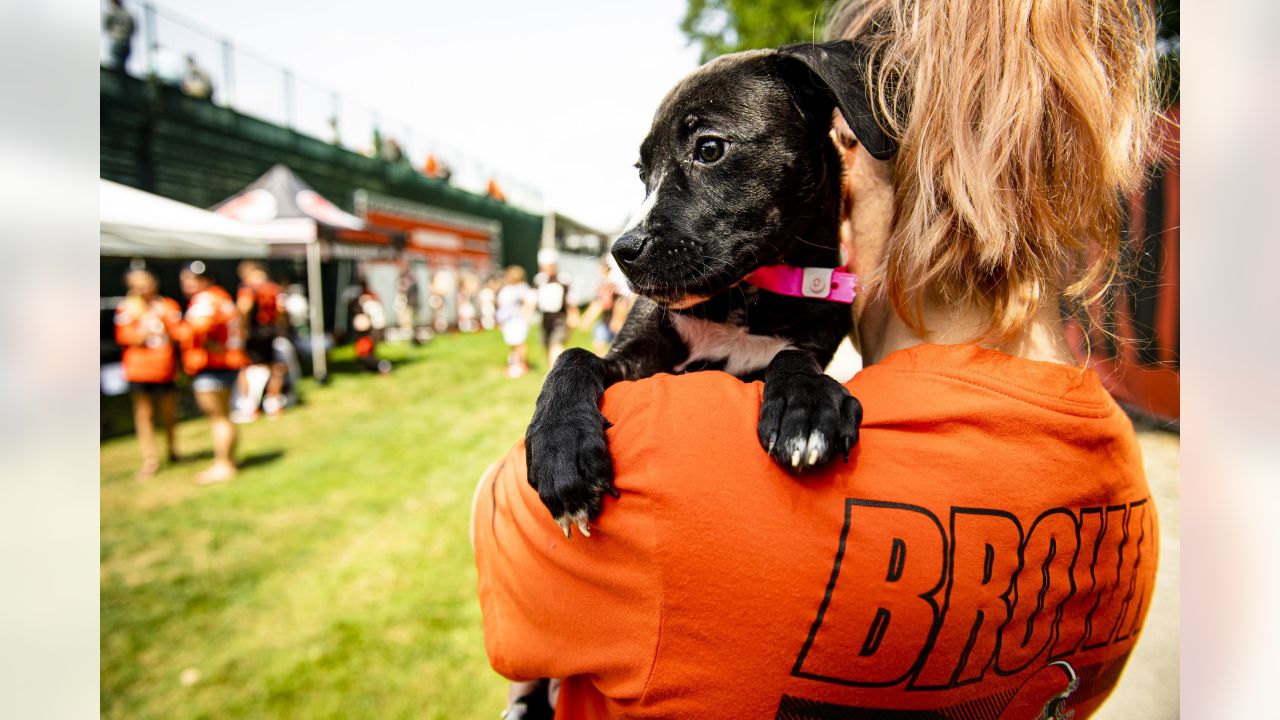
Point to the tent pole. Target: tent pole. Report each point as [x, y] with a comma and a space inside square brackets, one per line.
[319, 369]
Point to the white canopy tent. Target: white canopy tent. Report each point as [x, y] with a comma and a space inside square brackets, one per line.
[138, 224]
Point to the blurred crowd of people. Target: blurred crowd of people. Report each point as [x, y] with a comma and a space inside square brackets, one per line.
[552, 297]
[468, 301]
[239, 350]
[236, 350]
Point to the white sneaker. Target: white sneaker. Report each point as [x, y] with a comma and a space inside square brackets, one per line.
[273, 405]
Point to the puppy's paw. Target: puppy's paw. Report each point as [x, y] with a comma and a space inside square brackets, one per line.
[569, 466]
[807, 419]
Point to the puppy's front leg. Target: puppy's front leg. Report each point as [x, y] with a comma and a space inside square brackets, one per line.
[565, 448]
[806, 416]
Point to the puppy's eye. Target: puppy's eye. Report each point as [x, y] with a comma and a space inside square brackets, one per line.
[644, 176]
[709, 149]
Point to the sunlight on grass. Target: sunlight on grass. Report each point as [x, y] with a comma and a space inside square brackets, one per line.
[332, 577]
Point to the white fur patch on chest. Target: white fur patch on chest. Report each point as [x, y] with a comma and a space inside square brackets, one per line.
[741, 351]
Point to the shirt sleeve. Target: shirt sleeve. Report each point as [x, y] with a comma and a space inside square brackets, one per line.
[127, 331]
[172, 318]
[557, 607]
[198, 321]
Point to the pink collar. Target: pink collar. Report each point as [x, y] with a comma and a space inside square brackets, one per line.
[833, 284]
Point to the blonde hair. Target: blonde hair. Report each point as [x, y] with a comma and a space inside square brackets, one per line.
[1020, 124]
[514, 274]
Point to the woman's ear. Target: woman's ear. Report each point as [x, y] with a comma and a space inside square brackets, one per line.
[839, 70]
[841, 134]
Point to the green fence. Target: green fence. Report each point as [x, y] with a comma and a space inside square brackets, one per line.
[156, 139]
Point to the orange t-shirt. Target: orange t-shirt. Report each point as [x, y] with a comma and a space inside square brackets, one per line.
[212, 333]
[264, 299]
[146, 331]
[990, 546]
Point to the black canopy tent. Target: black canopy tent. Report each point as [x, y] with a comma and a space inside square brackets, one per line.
[296, 219]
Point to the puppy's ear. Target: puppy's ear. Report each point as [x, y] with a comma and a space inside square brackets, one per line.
[838, 69]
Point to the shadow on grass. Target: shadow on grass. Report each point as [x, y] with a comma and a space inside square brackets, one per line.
[245, 462]
[353, 367]
[343, 362]
[265, 457]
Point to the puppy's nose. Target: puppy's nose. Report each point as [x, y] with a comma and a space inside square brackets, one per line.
[628, 249]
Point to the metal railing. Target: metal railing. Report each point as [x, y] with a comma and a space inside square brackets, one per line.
[254, 85]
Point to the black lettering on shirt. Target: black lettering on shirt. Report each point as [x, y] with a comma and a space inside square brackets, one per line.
[1040, 591]
[890, 563]
[984, 560]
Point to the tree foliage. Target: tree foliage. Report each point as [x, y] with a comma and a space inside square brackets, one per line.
[1169, 51]
[725, 26]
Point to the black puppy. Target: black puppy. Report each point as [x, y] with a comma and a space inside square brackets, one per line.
[742, 180]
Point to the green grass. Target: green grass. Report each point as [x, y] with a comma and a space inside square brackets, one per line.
[333, 576]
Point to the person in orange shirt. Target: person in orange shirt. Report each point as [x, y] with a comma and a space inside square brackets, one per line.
[213, 353]
[989, 549]
[145, 323]
[261, 305]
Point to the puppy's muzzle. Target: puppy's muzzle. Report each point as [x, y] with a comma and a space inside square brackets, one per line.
[629, 250]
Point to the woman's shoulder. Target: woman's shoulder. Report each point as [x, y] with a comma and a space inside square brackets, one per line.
[957, 425]
[947, 373]
[928, 383]
[682, 394]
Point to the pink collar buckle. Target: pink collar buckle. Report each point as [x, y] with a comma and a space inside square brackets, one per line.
[831, 284]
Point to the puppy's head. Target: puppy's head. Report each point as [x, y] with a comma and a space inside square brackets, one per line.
[739, 168]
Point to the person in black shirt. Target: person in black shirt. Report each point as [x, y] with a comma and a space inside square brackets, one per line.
[556, 302]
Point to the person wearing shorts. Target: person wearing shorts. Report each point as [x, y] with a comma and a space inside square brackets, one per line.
[556, 302]
[512, 314]
[145, 322]
[555, 333]
[605, 311]
[213, 381]
[213, 354]
[260, 302]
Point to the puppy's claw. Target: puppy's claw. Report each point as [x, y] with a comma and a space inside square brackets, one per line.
[795, 457]
[773, 440]
[568, 520]
[580, 519]
[613, 491]
[817, 447]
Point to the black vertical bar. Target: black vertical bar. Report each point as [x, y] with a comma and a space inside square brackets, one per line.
[228, 74]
